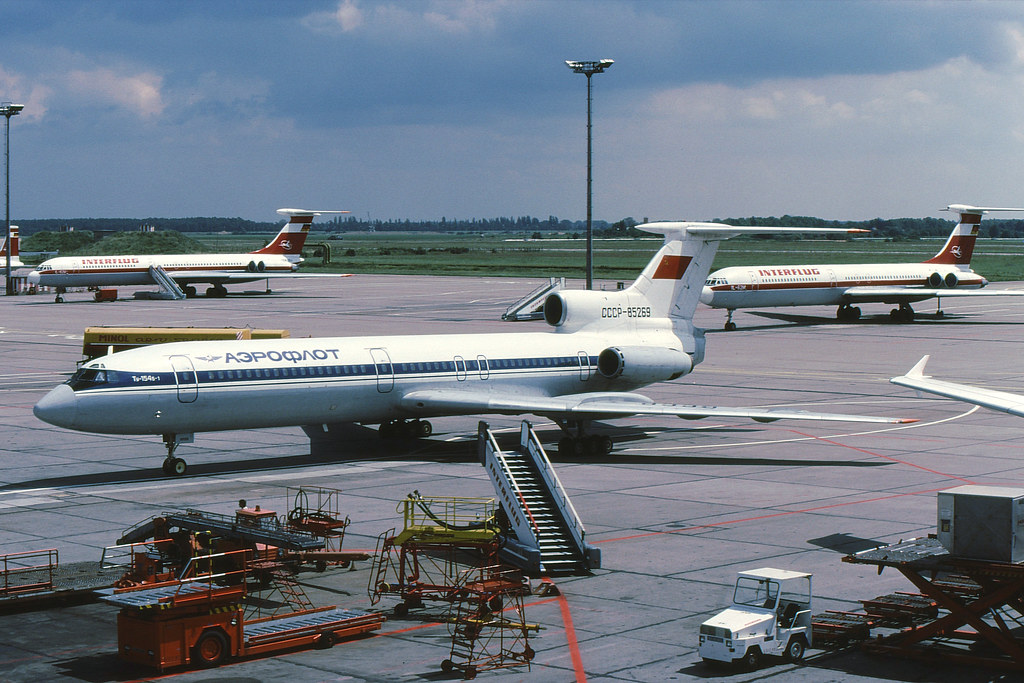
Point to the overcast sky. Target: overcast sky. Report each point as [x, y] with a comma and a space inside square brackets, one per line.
[423, 109]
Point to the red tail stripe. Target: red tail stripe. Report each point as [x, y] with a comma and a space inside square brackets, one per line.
[672, 267]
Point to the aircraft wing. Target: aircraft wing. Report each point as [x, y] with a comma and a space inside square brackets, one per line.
[229, 276]
[1002, 401]
[597, 406]
[895, 295]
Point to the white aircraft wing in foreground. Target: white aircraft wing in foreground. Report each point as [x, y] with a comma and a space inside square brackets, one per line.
[1002, 401]
[605, 405]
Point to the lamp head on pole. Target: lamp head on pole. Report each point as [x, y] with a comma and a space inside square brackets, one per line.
[589, 68]
[7, 109]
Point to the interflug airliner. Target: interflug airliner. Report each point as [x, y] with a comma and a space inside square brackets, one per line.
[947, 274]
[280, 258]
[602, 346]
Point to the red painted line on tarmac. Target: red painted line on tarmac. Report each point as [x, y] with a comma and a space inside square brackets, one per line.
[570, 635]
[884, 457]
[769, 516]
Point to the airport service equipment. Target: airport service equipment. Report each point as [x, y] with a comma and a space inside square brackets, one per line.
[770, 615]
[982, 522]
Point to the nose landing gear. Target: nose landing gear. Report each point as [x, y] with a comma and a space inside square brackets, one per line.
[175, 466]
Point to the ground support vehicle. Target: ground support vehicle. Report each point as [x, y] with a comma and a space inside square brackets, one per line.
[488, 624]
[444, 543]
[200, 620]
[770, 615]
[979, 606]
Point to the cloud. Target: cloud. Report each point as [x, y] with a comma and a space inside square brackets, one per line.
[138, 92]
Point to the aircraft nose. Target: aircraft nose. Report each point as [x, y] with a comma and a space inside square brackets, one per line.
[58, 407]
[33, 277]
[707, 295]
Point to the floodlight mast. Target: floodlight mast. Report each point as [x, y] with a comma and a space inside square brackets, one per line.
[7, 110]
[588, 69]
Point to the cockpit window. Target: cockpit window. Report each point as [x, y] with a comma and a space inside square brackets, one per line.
[89, 378]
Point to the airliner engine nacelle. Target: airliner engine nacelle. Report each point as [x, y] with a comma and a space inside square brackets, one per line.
[643, 364]
[571, 310]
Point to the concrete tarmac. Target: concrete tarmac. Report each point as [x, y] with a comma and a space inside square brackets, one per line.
[677, 509]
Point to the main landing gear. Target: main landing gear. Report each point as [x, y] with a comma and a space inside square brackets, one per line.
[582, 444]
[175, 466]
[59, 299]
[903, 314]
[848, 312]
[217, 291]
[405, 429]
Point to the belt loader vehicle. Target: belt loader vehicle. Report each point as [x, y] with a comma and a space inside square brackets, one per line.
[770, 615]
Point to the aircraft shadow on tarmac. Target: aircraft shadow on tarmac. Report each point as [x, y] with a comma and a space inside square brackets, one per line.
[795, 320]
[365, 445]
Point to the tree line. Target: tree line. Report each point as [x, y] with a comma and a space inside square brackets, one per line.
[893, 228]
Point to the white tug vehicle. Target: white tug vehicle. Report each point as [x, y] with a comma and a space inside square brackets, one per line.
[770, 615]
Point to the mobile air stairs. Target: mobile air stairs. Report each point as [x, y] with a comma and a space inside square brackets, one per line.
[169, 289]
[545, 535]
[531, 306]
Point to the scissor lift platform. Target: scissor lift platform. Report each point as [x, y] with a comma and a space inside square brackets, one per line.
[977, 603]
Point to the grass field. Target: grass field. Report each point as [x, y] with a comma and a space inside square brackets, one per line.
[515, 255]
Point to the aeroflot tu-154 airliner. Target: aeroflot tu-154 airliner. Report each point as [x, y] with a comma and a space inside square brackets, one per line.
[280, 258]
[604, 344]
[946, 274]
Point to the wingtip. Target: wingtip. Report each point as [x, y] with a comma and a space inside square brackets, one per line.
[907, 420]
[917, 372]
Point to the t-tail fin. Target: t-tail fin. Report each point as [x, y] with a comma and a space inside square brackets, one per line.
[959, 248]
[292, 237]
[15, 261]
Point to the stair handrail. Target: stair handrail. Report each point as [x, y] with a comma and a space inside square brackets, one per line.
[530, 441]
[493, 451]
[519, 492]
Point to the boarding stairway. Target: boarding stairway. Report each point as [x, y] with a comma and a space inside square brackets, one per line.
[531, 306]
[168, 286]
[546, 535]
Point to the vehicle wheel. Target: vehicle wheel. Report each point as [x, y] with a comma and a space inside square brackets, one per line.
[177, 467]
[58, 299]
[528, 653]
[325, 641]
[752, 659]
[211, 649]
[401, 609]
[607, 444]
[940, 314]
[424, 428]
[470, 673]
[730, 326]
[447, 666]
[190, 292]
[855, 313]
[167, 467]
[795, 649]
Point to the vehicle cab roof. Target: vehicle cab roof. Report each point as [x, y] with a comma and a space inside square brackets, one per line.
[776, 574]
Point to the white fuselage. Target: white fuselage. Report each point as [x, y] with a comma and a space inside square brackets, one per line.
[206, 386]
[810, 285]
[101, 271]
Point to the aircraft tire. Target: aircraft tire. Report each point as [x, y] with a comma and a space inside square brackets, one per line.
[176, 466]
[854, 312]
[423, 428]
[190, 292]
[730, 326]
